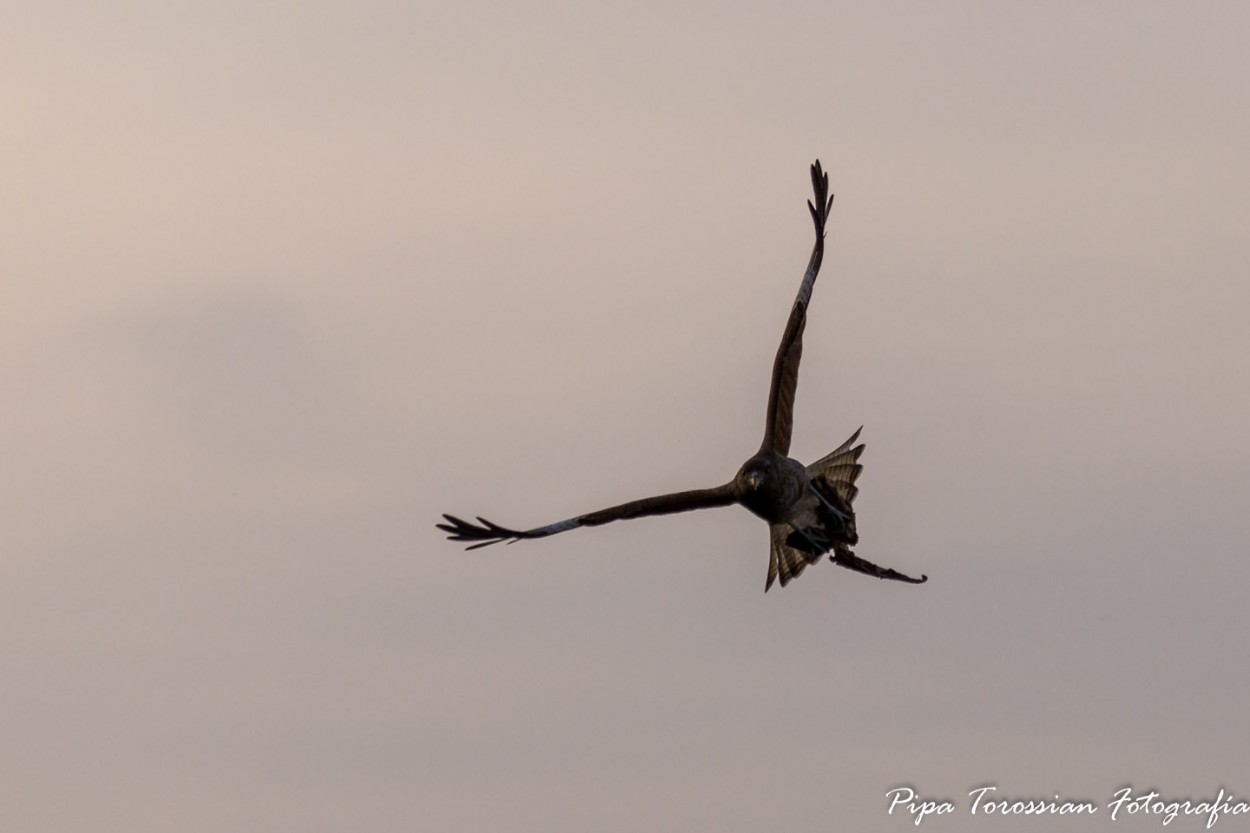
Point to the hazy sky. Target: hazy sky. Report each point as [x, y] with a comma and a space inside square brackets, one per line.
[285, 281]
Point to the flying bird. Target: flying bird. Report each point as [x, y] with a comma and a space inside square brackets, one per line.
[809, 509]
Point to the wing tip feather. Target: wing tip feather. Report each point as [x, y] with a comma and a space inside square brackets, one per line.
[482, 534]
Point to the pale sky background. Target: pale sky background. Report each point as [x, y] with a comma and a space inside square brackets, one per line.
[282, 282]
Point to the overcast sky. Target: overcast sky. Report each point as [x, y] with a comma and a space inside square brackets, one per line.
[284, 281]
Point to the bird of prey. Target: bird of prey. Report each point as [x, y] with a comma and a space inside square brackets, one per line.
[808, 508]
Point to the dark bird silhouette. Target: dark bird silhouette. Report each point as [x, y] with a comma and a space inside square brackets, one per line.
[808, 508]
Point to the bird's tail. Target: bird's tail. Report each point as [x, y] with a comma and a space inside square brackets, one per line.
[840, 468]
[784, 561]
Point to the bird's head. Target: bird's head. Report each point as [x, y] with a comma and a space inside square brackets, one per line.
[753, 474]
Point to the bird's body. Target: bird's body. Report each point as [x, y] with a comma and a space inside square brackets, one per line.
[808, 508]
[772, 486]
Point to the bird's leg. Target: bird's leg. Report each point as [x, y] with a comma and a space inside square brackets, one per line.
[817, 549]
[843, 557]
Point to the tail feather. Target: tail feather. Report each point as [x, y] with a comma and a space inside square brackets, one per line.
[784, 561]
[841, 479]
[841, 468]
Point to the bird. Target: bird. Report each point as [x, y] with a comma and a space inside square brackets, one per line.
[809, 509]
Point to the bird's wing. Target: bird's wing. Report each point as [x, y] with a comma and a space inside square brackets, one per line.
[780, 420]
[843, 557]
[784, 561]
[484, 533]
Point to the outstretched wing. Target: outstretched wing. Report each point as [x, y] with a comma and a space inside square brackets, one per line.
[485, 533]
[780, 420]
[845, 558]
